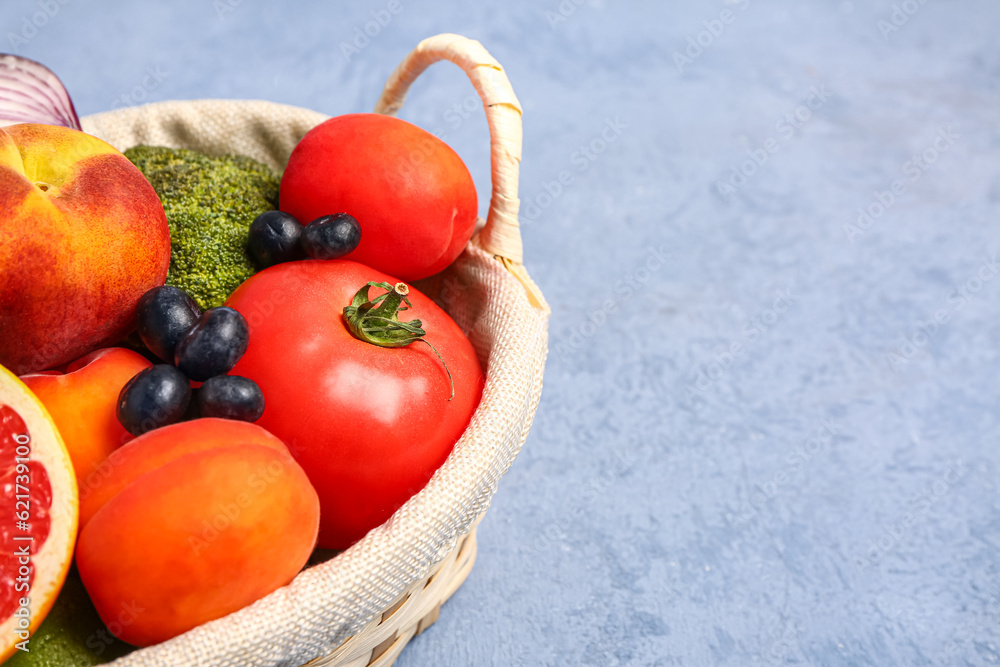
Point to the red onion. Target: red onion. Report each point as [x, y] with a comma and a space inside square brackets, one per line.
[31, 93]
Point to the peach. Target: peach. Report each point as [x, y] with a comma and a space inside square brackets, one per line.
[84, 236]
[194, 521]
[82, 403]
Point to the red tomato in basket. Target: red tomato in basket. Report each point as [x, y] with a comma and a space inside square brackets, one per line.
[411, 193]
[368, 424]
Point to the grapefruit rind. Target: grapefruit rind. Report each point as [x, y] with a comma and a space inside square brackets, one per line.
[51, 560]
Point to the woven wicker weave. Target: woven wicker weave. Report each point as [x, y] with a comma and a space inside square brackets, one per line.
[362, 607]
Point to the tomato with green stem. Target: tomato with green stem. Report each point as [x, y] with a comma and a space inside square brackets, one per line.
[368, 382]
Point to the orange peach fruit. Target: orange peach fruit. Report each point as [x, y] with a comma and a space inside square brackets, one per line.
[84, 236]
[82, 403]
[194, 521]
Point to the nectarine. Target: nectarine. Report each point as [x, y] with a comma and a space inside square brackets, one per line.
[82, 403]
[194, 521]
[84, 236]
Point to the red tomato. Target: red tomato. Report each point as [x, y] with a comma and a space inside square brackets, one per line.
[368, 424]
[411, 193]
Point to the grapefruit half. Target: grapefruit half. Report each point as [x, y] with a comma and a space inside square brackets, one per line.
[38, 514]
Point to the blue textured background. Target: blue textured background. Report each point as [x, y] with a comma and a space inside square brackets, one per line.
[769, 433]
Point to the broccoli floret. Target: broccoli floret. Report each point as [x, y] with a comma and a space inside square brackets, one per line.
[210, 203]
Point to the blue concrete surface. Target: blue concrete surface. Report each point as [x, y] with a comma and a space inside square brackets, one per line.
[769, 431]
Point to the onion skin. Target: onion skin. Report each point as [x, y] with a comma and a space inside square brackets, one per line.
[31, 93]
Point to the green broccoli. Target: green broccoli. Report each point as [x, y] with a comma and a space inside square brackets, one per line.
[210, 203]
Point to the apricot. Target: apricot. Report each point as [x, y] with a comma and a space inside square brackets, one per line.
[82, 403]
[191, 522]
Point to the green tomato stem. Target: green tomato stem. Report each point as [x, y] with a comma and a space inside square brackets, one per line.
[376, 321]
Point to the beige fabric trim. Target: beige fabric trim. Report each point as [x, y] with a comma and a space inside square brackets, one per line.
[262, 130]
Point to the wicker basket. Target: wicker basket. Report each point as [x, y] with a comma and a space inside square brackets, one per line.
[362, 607]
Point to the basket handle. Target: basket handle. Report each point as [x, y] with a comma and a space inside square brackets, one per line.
[501, 236]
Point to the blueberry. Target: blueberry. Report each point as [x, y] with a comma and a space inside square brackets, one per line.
[331, 236]
[163, 316]
[230, 397]
[213, 345]
[155, 397]
[274, 238]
